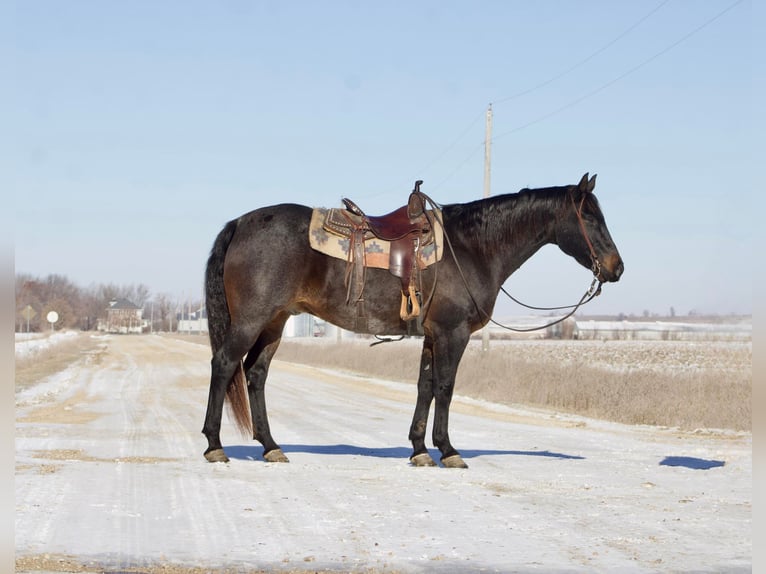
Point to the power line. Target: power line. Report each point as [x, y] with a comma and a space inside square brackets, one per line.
[623, 75]
[584, 61]
[532, 89]
[453, 144]
[457, 168]
[597, 90]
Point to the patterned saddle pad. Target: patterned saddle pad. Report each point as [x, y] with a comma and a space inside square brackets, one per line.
[329, 233]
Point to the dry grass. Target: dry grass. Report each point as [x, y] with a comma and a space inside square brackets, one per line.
[72, 565]
[676, 384]
[33, 368]
[685, 384]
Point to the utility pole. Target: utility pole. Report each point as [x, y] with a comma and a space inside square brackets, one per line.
[487, 164]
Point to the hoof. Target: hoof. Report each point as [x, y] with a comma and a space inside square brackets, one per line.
[216, 456]
[275, 455]
[454, 461]
[422, 459]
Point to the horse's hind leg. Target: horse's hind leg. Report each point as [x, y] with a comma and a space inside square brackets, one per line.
[257, 369]
[224, 365]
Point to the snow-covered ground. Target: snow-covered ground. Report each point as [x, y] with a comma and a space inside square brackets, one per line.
[110, 475]
[28, 344]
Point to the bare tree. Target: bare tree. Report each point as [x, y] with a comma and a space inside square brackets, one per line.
[77, 308]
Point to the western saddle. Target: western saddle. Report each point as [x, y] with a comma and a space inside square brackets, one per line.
[406, 229]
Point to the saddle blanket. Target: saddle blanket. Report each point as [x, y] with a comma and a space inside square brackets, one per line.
[376, 251]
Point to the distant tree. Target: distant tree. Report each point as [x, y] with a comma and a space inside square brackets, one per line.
[67, 319]
[166, 310]
[93, 308]
[107, 292]
[28, 293]
[78, 308]
[51, 293]
[136, 294]
[141, 294]
[154, 312]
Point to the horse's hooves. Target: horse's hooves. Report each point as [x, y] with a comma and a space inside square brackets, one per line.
[454, 461]
[216, 456]
[422, 459]
[275, 455]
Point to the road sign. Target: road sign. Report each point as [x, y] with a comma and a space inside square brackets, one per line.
[52, 317]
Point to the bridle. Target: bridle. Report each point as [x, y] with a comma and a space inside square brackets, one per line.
[595, 263]
[593, 291]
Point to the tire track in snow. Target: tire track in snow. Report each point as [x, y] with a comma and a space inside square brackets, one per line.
[541, 493]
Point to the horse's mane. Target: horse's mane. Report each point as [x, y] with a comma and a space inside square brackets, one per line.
[500, 218]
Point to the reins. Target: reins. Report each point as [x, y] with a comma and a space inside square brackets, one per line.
[593, 291]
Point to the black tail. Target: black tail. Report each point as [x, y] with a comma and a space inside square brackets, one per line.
[219, 321]
[215, 297]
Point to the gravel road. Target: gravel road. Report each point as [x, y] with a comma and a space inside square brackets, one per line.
[110, 477]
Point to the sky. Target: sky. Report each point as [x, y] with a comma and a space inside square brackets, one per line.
[138, 129]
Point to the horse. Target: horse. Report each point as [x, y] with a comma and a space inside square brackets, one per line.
[261, 270]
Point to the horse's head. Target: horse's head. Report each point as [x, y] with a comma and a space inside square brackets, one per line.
[582, 232]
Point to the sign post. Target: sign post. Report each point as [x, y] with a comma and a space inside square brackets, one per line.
[28, 313]
[52, 318]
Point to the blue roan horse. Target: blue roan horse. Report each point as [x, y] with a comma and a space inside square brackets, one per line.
[262, 270]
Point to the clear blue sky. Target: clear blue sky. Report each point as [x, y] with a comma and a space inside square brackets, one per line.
[139, 128]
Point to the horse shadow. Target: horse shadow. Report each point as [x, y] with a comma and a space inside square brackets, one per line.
[243, 452]
[255, 453]
[691, 462]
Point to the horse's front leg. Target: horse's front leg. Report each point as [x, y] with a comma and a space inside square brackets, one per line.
[420, 456]
[447, 354]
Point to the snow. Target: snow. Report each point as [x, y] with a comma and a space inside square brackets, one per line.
[110, 472]
[28, 344]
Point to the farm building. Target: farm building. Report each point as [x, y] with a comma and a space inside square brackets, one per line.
[122, 316]
[192, 321]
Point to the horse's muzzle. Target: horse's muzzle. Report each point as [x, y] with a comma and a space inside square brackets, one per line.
[612, 268]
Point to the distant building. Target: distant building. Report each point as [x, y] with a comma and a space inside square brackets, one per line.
[566, 329]
[192, 321]
[122, 316]
[303, 325]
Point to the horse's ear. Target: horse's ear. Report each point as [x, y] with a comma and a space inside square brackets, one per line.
[592, 184]
[583, 185]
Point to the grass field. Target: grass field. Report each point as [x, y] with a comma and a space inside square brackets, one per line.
[690, 385]
[34, 366]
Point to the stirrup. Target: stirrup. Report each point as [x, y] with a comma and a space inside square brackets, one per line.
[410, 307]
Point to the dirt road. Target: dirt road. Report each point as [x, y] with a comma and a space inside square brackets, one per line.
[110, 476]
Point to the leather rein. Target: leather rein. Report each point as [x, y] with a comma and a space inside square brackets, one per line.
[593, 291]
